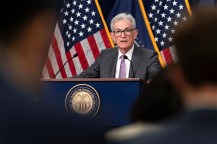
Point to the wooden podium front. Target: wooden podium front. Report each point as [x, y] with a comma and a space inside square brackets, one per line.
[116, 96]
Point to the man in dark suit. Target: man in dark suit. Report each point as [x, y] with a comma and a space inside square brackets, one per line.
[137, 62]
[195, 76]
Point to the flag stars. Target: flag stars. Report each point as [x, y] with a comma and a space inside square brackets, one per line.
[78, 14]
[68, 43]
[84, 17]
[156, 39]
[81, 34]
[153, 7]
[163, 15]
[172, 11]
[160, 23]
[175, 23]
[174, 3]
[162, 43]
[74, 2]
[70, 27]
[73, 38]
[71, 19]
[169, 19]
[170, 39]
[89, 2]
[93, 13]
[97, 25]
[181, 7]
[87, 9]
[164, 18]
[69, 35]
[164, 35]
[178, 15]
[66, 13]
[158, 31]
[80, 6]
[150, 15]
[172, 31]
[64, 21]
[91, 21]
[68, 5]
[75, 30]
[155, 19]
[76, 22]
[166, 27]
[83, 26]
[165, 7]
[89, 29]
[73, 11]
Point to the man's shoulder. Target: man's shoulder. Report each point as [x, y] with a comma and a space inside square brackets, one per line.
[186, 130]
[109, 50]
[145, 52]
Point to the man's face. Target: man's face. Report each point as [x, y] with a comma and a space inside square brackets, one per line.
[123, 34]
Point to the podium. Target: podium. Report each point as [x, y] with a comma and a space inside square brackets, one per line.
[116, 96]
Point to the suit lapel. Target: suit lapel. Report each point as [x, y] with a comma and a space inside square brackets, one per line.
[113, 62]
[136, 59]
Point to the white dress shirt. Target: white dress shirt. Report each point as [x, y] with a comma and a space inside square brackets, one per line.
[127, 62]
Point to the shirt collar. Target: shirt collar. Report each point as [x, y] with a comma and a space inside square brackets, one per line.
[128, 54]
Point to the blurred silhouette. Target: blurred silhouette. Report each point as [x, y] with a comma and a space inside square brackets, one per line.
[158, 101]
[26, 31]
[195, 77]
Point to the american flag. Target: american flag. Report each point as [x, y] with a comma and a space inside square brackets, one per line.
[82, 30]
[164, 17]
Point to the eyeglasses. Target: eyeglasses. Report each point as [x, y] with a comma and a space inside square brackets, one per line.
[127, 32]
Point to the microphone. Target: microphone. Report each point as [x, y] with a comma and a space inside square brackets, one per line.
[74, 56]
[125, 57]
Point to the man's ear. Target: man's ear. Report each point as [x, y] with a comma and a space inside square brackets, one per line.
[112, 36]
[135, 33]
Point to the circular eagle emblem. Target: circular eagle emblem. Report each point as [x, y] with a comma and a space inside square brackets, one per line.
[83, 100]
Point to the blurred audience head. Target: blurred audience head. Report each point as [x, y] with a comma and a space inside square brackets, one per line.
[196, 45]
[196, 72]
[16, 15]
[26, 30]
[158, 100]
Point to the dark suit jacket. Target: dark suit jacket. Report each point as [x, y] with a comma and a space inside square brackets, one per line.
[196, 127]
[145, 64]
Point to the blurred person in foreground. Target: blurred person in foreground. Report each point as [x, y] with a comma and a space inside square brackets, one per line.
[195, 77]
[26, 30]
[158, 101]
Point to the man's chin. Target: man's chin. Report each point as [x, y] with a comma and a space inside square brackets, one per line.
[124, 46]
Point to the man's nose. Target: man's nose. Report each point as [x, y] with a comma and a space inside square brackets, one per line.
[123, 34]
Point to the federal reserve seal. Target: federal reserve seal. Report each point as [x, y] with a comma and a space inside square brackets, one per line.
[83, 100]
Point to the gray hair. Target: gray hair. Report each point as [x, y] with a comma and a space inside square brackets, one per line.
[122, 16]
